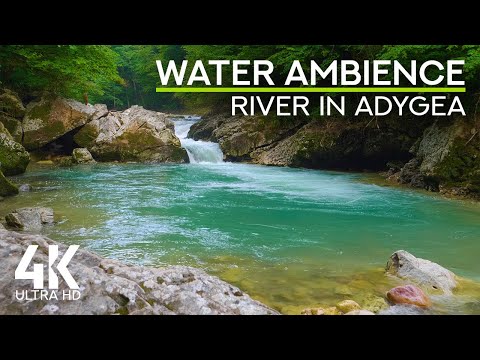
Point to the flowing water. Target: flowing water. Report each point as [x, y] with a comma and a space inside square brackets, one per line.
[292, 238]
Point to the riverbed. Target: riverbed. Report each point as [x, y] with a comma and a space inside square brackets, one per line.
[291, 238]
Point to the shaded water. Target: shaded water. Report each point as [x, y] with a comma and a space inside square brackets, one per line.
[291, 238]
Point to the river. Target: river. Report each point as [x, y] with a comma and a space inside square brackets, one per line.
[292, 238]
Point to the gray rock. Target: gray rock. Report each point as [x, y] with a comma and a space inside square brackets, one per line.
[111, 287]
[135, 134]
[423, 272]
[25, 188]
[82, 156]
[435, 145]
[51, 117]
[360, 312]
[2, 227]
[30, 219]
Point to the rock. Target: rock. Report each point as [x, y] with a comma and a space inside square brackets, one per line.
[51, 117]
[30, 219]
[111, 287]
[11, 104]
[403, 310]
[25, 188]
[13, 126]
[346, 306]
[360, 312]
[100, 110]
[374, 303]
[13, 156]
[332, 311]
[408, 294]
[447, 158]
[64, 161]
[135, 134]
[82, 156]
[313, 311]
[411, 175]
[335, 143]
[2, 227]
[423, 272]
[7, 188]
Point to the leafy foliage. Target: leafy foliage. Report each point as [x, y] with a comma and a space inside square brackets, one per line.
[121, 76]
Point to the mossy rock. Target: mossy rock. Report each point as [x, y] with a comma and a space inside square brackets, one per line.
[7, 188]
[13, 156]
[13, 126]
[86, 136]
[51, 117]
[11, 104]
[461, 166]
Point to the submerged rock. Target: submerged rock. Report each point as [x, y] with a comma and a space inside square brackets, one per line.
[7, 188]
[135, 134]
[13, 156]
[346, 306]
[25, 188]
[111, 287]
[52, 117]
[423, 272]
[82, 156]
[408, 294]
[374, 303]
[313, 311]
[360, 312]
[31, 219]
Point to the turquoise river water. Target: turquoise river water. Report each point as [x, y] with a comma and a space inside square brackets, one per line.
[291, 238]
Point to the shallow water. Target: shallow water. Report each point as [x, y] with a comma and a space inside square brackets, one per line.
[291, 238]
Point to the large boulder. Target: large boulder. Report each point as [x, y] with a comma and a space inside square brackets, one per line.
[135, 134]
[423, 272]
[13, 156]
[7, 188]
[30, 219]
[82, 156]
[52, 117]
[111, 287]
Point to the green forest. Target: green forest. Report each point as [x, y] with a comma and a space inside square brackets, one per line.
[125, 75]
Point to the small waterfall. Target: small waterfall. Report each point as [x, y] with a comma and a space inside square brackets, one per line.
[198, 151]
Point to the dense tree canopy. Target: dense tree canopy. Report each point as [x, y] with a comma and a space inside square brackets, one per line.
[125, 75]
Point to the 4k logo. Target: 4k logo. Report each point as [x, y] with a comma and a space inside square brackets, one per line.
[37, 275]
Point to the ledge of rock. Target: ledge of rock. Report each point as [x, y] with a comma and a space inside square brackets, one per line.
[111, 287]
[423, 272]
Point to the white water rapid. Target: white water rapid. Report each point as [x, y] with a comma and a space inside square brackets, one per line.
[198, 151]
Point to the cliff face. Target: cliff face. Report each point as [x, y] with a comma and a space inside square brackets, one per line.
[421, 152]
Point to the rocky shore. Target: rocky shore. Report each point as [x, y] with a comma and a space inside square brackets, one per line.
[111, 287]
